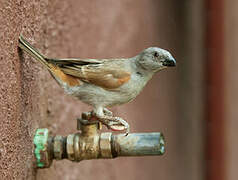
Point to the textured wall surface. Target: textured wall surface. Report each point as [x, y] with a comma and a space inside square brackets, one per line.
[21, 97]
[30, 98]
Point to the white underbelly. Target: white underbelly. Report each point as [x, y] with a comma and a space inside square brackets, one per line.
[96, 96]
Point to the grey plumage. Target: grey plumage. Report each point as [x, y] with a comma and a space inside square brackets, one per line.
[103, 83]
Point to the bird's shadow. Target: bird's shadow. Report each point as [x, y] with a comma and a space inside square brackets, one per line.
[22, 60]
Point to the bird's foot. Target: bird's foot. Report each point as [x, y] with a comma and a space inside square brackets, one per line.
[111, 122]
[115, 123]
[92, 116]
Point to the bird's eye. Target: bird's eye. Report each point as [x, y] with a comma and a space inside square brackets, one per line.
[156, 54]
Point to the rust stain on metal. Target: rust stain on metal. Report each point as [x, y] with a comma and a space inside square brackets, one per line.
[43, 157]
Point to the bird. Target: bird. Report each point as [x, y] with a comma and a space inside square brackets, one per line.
[103, 83]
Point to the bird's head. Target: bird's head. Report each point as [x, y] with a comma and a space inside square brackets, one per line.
[155, 59]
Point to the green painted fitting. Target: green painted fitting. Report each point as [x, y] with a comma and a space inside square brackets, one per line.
[40, 141]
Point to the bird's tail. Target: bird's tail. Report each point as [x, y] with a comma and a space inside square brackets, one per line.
[26, 46]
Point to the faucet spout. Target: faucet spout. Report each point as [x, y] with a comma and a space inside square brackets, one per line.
[138, 144]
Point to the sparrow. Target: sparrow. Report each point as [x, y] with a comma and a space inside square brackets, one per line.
[104, 83]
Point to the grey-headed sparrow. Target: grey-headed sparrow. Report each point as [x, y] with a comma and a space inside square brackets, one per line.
[104, 83]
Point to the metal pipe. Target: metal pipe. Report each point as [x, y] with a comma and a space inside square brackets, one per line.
[138, 144]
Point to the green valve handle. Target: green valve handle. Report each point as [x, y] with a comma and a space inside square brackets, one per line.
[40, 142]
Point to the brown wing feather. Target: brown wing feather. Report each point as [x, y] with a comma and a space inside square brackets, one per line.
[60, 75]
[107, 78]
[106, 75]
[75, 61]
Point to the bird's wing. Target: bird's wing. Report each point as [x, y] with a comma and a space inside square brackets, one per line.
[105, 73]
[70, 61]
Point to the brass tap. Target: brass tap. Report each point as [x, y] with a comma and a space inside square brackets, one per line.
[89, 143]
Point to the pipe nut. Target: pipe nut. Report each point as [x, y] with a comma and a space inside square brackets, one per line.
[70, 147]
[58, 147]
[105, 145]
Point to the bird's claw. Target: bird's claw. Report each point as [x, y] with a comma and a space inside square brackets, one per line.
[111, 122]
[117, 124]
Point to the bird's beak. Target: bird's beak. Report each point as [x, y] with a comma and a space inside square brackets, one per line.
[169, 62]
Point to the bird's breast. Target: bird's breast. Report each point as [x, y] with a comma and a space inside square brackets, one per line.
[134, 86]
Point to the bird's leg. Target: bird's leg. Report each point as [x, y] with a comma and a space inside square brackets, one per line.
[107, 112]
[113, 123]
[91, 115]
